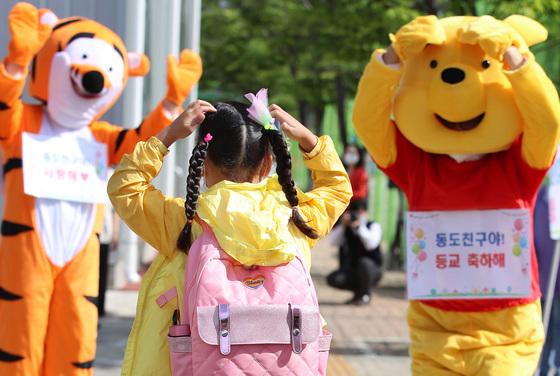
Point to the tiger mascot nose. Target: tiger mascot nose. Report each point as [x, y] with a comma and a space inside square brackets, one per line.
[89, 80]
[93, 82]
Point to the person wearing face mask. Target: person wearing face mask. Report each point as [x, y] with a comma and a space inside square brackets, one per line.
[358, 240]
[354, 161]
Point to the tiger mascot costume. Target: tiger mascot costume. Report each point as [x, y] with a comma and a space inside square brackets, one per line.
[49, 251]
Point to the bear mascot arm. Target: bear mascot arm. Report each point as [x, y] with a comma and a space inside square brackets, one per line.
[378, 85]
[534, 94]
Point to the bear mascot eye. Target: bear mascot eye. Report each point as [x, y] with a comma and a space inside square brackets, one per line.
[433, 64]
[485, 64]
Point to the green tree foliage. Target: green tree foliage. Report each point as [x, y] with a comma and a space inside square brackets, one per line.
[310, 53]
[295, 48]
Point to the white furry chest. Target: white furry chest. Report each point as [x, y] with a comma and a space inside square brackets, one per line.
[460, 158]
[64, 226]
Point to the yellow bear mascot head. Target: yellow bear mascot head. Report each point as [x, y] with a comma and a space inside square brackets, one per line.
[454, 96]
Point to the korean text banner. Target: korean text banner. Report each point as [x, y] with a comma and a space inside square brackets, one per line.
[72, 171]
[469, 254]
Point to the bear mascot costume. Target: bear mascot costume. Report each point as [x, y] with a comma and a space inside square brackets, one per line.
[460, 116]
[49, 251]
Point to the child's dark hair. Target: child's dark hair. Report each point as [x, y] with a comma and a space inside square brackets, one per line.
[238, 147]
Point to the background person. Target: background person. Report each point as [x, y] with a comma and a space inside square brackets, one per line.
[354, 161]
[360, 255]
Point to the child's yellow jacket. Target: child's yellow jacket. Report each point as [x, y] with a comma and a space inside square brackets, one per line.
[250, 221]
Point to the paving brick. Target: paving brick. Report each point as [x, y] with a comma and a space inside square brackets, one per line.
[373, 339]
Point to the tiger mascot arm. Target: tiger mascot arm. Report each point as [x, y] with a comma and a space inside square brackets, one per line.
[29, 29]
[182, 75]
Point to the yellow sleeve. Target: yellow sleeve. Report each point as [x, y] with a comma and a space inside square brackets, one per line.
[156, 218]
[537, 100]
[331, 191]
[121, 141]
[372, 110]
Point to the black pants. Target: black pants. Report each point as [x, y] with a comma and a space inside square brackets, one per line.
[103, 270]
[359, 270]
[360, 279]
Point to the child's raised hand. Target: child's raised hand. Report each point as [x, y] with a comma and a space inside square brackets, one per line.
[185, 124]
[293, 128]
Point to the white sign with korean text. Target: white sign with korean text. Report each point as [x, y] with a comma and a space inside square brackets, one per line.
[469, 254]
[554, 211]
[63, 169]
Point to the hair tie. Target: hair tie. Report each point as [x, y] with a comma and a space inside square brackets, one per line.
[189, 221]
[258, 112]
[208, 138]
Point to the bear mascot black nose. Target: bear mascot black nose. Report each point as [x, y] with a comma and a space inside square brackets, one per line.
[93, 82]
[452, 75]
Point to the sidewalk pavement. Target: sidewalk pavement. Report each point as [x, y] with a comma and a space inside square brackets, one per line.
[366, 340]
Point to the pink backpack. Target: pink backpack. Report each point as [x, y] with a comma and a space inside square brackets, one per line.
[246, 321]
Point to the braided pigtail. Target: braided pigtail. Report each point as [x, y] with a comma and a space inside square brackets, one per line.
[284, 171]
[193, 190]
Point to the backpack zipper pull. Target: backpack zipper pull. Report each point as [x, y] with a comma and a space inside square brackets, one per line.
[296, 335]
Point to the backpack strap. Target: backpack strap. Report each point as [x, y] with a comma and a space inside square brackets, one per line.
[205, 226]
[184, 309]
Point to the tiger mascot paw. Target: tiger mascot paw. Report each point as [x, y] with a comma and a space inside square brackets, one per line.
[182, 75]
[29, 29]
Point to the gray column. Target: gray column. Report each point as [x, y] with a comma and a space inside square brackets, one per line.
[126, 268]
[164, 18]
[190, 40]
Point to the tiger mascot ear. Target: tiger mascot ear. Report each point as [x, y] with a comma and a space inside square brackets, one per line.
[47, 17]
[138, 64]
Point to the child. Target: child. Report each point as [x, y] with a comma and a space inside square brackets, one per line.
[257, 219]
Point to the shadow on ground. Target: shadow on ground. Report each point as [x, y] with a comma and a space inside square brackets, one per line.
[388, 288]
[373, 348]
[111, 341]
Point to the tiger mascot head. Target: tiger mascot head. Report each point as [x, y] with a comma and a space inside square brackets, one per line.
[81, 70]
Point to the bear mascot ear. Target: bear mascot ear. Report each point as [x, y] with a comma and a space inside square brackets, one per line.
[138, 64]
[531, 31]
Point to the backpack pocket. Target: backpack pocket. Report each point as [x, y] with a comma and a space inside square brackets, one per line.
[291, 333]
[180, 349]
[258, 324]
[324, 348]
